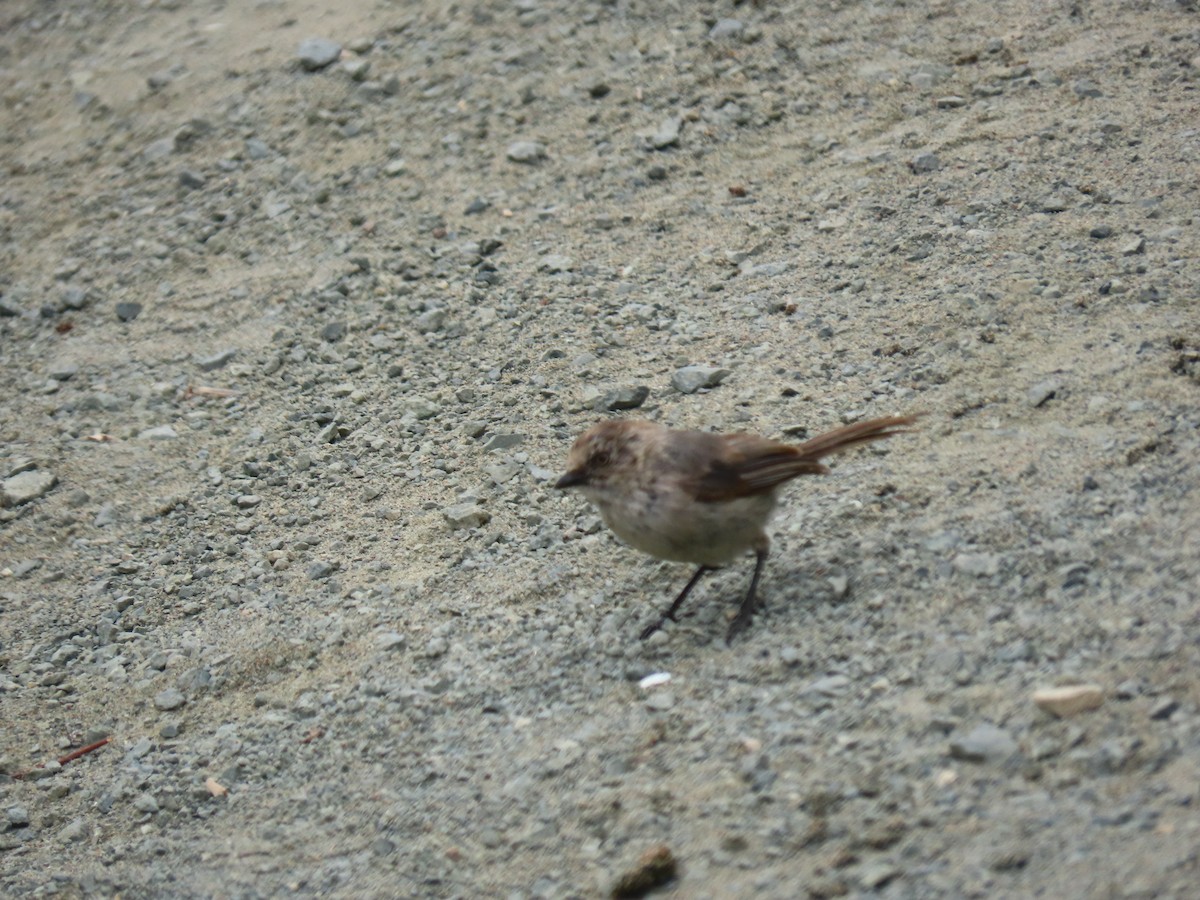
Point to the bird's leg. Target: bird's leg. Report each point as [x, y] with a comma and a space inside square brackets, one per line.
[670, 613]
[746, 611]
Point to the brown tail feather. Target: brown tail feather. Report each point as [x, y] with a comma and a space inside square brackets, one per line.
[853, 436]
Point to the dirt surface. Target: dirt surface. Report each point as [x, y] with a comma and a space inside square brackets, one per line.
[291, 358]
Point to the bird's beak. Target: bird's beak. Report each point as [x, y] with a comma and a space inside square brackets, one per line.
[574, 478]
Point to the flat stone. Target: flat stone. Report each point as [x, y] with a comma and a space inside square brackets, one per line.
[1043, 391]
[526, 152]
[466, 515]
[984, 743]
[667, 134]
[317, 53]
[26, 486]
[169, 699]
[1069, 700]
[690, 379]
[503, 441]
[625, 397]
[128, 311]
[217, 360]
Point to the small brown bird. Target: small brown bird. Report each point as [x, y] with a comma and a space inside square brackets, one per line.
[697, 497]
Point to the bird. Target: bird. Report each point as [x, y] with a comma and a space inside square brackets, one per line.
[700, 497]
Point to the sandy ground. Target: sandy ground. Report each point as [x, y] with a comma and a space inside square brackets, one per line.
[291, 358]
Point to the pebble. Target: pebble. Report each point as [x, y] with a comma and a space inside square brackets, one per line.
[127, 310]
[526, 152]
[690, 379]
[503, 441]
[1069, 700]
[1134, 247]
[923, 163]
[1042, 392]
[26, 486]
[984, 743]
[667, 134]
[75, 831]
[17, 816]
[62, 370]
[169, 699]
[217, 360]
[319, 569]
[628, 397]
[316, 53]
[466, 515]
[725, 29]
[390, 640]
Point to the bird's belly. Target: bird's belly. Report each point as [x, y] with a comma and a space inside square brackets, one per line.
[709, 534]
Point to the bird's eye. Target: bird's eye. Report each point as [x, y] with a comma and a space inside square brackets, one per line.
[600, 459]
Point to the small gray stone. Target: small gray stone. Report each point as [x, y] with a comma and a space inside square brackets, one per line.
[690, 379]
[627, 397]
[75, 297]
[923, 163]
[127, 311]
[667, 134]
[317, 53]
[390, 640]
[1164, 709]
[984, 743]
[430, 321]
[419, 408]
[526, 152]
[17, 816]
[503, 441]
[334, 331]
[1101, 231]
[1042, 392]
[466, 515]
[259, 149]
[1134, 247]
[169, 699]
[192, 179]
[26, 486]
[320, 568]
[725, 29]
[145, 803]
[217, 360]
[77, 830]
[660, 701]
[1087, 89]
[62, 370]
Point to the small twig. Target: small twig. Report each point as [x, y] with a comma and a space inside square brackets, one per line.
[63, 760]
[82, 751]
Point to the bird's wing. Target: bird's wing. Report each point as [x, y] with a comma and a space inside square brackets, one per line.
[750, 465]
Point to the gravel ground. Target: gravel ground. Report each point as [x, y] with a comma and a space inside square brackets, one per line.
[295, 339]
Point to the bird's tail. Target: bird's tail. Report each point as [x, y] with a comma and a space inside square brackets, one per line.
[853, 436]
